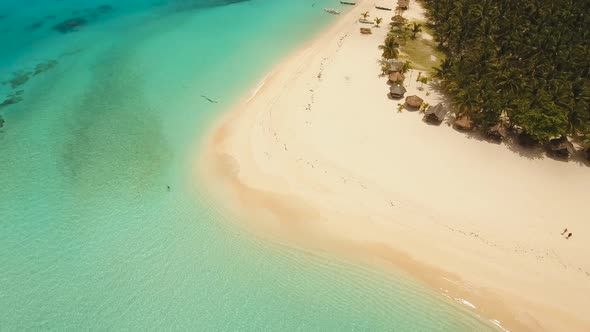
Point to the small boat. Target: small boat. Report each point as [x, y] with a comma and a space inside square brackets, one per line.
[348, 3]
[331, 11]
[383, 8]
[365, 21]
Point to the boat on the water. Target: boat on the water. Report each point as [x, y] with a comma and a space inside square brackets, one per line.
[348, 3]
[331, 11]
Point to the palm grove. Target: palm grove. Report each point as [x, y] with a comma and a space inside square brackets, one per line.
[525, 62]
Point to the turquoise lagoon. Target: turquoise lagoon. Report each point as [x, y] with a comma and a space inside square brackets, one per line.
[90, 235]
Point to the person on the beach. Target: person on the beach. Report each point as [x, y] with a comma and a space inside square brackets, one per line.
[568, 236]
[564, 231]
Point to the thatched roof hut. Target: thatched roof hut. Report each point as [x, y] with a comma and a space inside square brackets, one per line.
[464, 123]
[496, 133]
[397, 91]
[414, 101]
[403, 4]
[395, 65]
[366, 31]
[435, 114]
[396, 77]
[398, 20]
[527, 140]
[560, 148]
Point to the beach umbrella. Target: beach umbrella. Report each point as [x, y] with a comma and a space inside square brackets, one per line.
[396, 77]
[395, 65]
[403, 4]
[397, 91]
[398, 20]
[464, 123]
[560, 148]
[435, 114]
[526, 140]
[496, 133]
[414, 101]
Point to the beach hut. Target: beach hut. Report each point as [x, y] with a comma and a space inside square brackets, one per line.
[414, 101]
[560, 148]
[526, 140]
[397, 91]
[403, 4]
[496, 133]
[435, 114]
[366, 31]
[395, 66]
[396, 77]
[464, 123]
[398, 20]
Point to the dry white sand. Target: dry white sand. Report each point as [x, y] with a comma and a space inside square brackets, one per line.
[319, 155]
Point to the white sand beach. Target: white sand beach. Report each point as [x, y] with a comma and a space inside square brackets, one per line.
[319, 155]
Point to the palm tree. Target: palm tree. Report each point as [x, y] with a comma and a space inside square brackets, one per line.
[406, 67]
[423, 80]
[579, 114]
[465, 101]
[378, 21]
[509, 81]
[390, 48]
[385, 66]
[527, 59]
[365, 15]
[415, 29]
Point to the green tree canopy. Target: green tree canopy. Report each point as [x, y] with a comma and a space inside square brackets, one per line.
[528, 59]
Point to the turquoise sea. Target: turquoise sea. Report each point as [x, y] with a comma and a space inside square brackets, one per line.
[101, 226]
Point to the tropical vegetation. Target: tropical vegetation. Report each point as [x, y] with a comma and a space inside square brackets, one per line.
[523, 62]
[378, 21]
[415, 28]
[390, 48]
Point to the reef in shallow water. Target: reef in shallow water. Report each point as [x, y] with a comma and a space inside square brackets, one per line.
[18, 78]
[44, 66]
[181, 5]
[13, 98]
[34, 26]
[21, 77]
[70, 25]
[74, 24]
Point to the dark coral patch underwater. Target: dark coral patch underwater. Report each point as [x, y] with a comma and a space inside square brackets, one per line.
[74, 24]
[70, 25]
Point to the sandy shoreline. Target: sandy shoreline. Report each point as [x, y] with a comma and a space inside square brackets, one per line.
[318, 154]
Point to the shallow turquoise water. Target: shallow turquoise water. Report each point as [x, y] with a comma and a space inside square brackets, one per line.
[90, 236]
